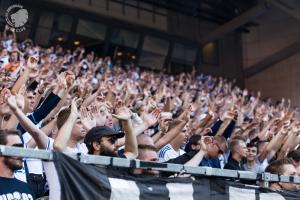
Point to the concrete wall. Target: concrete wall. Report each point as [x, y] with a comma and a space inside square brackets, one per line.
[276, 31]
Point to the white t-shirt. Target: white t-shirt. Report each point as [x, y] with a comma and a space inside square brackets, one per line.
[34, 165]
[21, 174]
[259, 166]
[52, 176]
[167, 152]
[79, 148]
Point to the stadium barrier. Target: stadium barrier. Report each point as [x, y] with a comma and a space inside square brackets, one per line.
[264, 178]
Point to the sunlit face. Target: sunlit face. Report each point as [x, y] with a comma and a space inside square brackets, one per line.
[214, 150]
[29, 101]
[78, 130]
[108, 146]
[14, 57]
[104, 116]
[289, 170]
[242, 149]
[147, 155]
[13, 163]
[252, 152]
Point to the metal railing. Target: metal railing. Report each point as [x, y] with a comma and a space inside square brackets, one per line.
[264, 178]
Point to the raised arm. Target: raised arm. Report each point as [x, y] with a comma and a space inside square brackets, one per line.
[171, 134]
[196, 160]
[31, 63]
[64, 133]
[274, 145]
[38, 135]
[289, 143]
[47, 129]
[131, 147]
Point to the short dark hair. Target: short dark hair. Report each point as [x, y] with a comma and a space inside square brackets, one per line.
[295, 155]
[251, 144]
[6, 132]
[276, 167]
[62, 117]
[192, 141]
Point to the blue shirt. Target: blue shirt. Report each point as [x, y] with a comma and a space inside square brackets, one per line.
[12, 188]
[214, 163]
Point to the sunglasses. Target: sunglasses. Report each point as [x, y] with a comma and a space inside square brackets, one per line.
[112, 140]
[18, 145]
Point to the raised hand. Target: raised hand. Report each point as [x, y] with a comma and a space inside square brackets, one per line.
[34, 72]
[20, 101]
[70, 78]
[42, 86]
[205, 140]
[245, 92]
[5, 93]
[12, 102]
[99, 114]
[123, 113]
[74, 107]
[87, 119]
[151, 118]
[62, 83]
[32, 62]
[186, 115]
[229, 115]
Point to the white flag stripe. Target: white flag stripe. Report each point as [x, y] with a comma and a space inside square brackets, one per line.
[180, 191]
[268, 196]
[123, 189]
[53, 181]
[241, 194]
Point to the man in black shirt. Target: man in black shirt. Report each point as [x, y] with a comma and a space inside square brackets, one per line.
[239, 151]
[10, 187]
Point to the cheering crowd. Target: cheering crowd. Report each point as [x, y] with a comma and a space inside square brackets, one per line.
[76, 102]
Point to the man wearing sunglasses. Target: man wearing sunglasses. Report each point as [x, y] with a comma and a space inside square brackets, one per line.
[12, 188]
[101, 140]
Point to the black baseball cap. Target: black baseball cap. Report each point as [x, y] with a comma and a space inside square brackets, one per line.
[100, 131]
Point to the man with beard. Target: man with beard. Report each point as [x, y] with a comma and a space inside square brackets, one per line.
[10, 187]
[102, 140]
